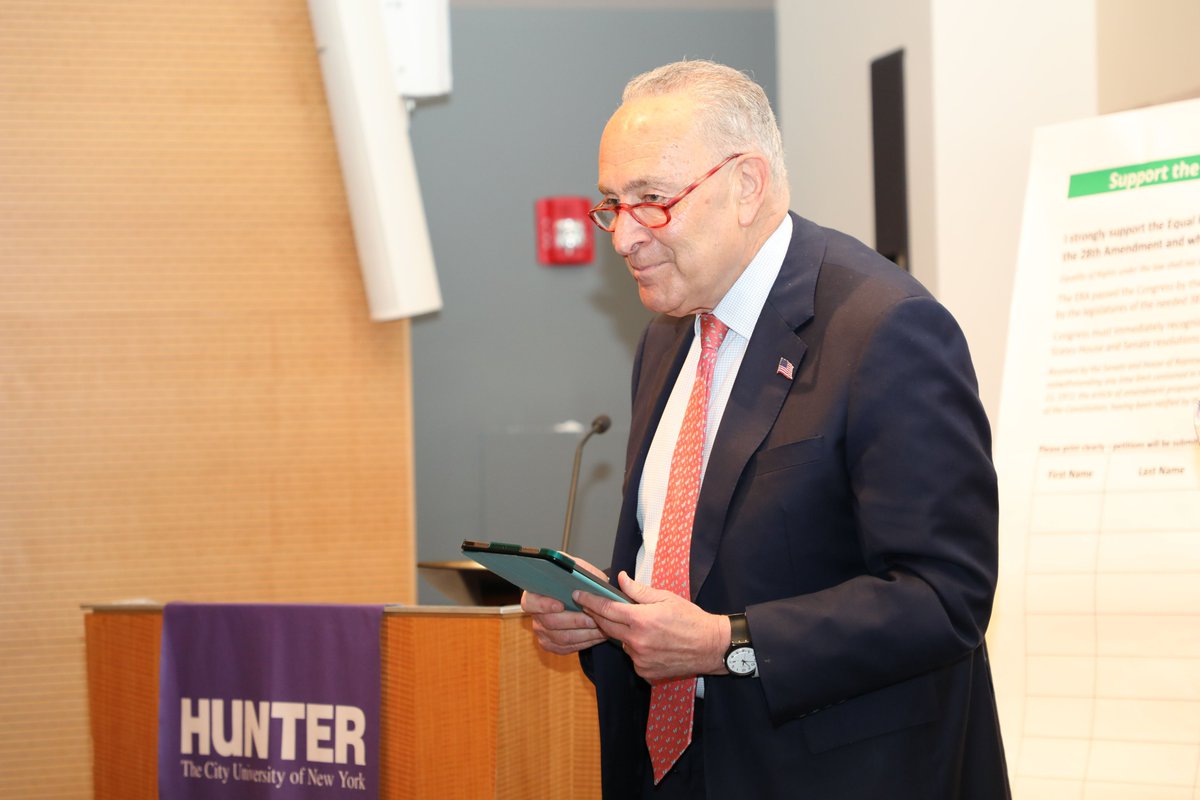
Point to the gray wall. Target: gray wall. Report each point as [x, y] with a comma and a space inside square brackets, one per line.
[518, 347]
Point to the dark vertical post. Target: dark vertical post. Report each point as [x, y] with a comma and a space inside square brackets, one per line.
[891, 171]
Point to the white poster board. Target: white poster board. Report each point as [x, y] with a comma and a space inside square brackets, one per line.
[1096, 635]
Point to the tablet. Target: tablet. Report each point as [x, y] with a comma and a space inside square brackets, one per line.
[542, 571]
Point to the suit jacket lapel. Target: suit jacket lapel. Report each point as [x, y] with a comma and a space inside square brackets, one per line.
[758, 392]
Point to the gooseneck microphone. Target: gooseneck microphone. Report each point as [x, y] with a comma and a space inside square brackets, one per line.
[599, 425]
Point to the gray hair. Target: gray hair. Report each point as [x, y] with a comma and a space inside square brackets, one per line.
[735, 112]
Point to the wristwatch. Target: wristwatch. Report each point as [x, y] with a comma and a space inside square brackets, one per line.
[739, 658]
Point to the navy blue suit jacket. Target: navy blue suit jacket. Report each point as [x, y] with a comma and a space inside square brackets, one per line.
[851, 512]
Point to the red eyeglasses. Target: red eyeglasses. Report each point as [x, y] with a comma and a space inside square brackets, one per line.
[650, 215]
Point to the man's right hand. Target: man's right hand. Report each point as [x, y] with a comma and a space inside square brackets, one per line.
[558, 630]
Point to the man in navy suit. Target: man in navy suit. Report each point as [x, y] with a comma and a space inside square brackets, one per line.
[843, 549]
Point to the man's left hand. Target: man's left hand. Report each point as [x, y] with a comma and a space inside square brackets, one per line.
[666, 636]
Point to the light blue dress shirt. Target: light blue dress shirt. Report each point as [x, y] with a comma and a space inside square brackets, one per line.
[739, 309]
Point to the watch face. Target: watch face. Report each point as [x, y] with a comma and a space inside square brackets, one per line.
[740, 661]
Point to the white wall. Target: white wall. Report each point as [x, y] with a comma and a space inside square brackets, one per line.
[980, 77]
[1001, 69]
[825, 53]
[1148, 52]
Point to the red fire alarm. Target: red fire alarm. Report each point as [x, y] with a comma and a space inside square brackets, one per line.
[564, 232]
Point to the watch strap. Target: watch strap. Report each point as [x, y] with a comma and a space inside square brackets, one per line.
[739, 631]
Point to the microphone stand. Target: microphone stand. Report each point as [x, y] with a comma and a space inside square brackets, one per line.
[599, 425]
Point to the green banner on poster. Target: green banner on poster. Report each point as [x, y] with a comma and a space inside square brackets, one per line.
[1135, 176]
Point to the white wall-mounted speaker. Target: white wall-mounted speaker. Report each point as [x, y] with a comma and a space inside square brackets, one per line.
[370, 124]
[418, 38]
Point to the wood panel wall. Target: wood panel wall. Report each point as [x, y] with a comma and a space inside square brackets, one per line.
[193, 403]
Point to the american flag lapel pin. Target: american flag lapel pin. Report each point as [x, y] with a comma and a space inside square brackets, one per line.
[786, 368]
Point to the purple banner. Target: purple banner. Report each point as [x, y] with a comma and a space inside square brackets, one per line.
[269, 701]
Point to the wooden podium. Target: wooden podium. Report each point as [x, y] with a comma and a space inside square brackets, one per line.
[471, 707]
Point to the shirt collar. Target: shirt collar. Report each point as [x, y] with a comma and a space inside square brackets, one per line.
[743, 303]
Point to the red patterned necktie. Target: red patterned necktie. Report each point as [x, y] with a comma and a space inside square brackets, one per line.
[672, 703]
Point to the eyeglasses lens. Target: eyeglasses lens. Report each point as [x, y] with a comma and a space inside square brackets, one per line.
[650, 216]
